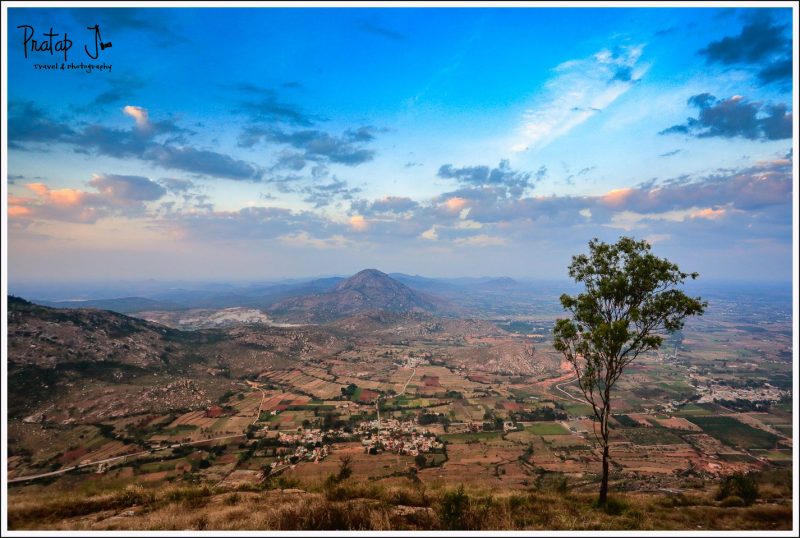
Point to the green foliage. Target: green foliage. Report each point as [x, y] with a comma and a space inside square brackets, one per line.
[349, 391]
[630, 302]
[454, 508]
[739, 485]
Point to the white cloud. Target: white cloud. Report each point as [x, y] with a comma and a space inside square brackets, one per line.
[482, 240]
[629, 220]
[579, 90]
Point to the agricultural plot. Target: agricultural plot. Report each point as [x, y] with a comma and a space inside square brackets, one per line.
[108, 450]
[194, 418]
[781, 421]
[626, 422]
[471, 437]
[735, 433]
[651, 436]
[246, 403]
[462, 411]
[660, 461]
[231, 425]
[773, 455]
[675, 423]
[320, 388]
[445, 379]
[547, 428]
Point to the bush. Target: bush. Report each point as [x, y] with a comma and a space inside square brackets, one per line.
[734, 501]
[453, 510]
[739, 485]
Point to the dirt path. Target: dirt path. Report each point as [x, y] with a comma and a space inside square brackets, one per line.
[407, 382]
[260, 405]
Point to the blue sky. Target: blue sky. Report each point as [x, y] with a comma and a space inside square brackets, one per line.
[261, 143]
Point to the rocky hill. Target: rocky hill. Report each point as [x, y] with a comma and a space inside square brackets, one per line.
[368, 290]
[67, 365]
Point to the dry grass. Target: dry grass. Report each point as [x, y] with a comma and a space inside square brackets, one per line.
[401, 504]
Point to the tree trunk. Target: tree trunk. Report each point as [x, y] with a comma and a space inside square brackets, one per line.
[604, 482]
[604, 434]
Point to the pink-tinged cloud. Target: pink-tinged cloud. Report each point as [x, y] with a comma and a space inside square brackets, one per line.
[708, 213]
[455, 204]
[358, 223]
[116, 196]
[616, 197]
[139, 114]
[18, 211]
[63, 197]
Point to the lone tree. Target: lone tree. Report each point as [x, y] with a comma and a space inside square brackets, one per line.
[630, 301]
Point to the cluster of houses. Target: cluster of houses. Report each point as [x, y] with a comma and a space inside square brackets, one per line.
[302, 453]
[409, 445]
[301, 437]
[400, 437]
[391, 425]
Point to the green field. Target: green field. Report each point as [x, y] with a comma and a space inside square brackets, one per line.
[734, 457]
[467, 437]
[651, 436]
[576, 409]
[311, 407]
[626, 421]
[547, 428]
[776, 455]
[734, 433]
[691, 409]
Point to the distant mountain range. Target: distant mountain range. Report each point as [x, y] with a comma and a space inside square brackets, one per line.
[123, 305]
[324, 299]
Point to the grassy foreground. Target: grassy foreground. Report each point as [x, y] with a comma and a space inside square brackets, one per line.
[407, 504]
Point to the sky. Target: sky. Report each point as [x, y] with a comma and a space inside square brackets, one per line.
[258, 143]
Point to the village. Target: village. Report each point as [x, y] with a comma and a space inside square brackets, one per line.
[390, 435]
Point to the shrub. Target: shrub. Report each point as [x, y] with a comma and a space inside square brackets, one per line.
[740, 485]
[453, 510]
[733, 501]
[345, 468]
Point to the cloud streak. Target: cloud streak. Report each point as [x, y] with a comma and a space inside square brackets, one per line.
[579, 90]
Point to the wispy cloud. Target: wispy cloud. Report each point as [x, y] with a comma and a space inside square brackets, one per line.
[579, 90]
